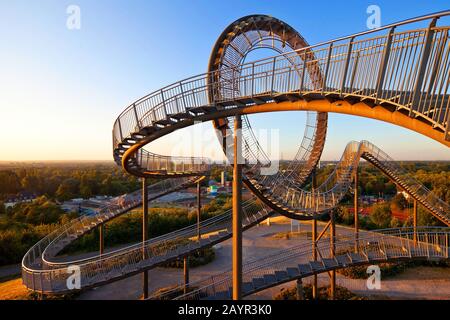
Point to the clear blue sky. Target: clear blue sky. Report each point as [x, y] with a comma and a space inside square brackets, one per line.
[61, 90]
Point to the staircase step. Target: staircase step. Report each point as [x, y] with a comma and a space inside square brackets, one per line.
[223, 234]
[304, 268]
[329, 263]
[293, 272]
[247, 287]
[281, 275]
[343, 260]
[214, 238]
[356, 257]
[316, 265]
[258, 282]
[222, 295]
[270, 278]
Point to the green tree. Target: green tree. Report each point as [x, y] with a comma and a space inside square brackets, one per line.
[381, 215]
[399, 202]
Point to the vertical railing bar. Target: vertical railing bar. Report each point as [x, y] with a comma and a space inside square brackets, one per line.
[136, 115]
[302, 82]
[384, 63]
[273, 74]
[422, 67]
[330, 49]
[347, 63]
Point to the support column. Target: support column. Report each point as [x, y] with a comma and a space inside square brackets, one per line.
[101, 238]
[415, 221]
[186, 273]
[237, 211]
[300, 295]
[333, 254]
[314, 256]
[314, 237]
[199, 210]
[356, 209]
[144, 234]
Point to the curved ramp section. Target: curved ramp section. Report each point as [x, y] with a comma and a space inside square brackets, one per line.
[43, 253]
[116, 265]
[297, 262]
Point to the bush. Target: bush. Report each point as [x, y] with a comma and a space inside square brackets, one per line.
[341, 293]
[199, 258]
[381, 215]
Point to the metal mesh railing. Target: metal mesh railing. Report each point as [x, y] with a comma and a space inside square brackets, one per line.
[52, 277]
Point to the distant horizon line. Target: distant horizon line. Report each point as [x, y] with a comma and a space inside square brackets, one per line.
[214, 161]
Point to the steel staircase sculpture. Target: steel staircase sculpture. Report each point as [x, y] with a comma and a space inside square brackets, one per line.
[358, 75]
[41, 273]
[400, 76]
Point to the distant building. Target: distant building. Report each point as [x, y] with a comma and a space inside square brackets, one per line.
[20, 198]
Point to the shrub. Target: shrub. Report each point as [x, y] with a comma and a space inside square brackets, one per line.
[341, 293]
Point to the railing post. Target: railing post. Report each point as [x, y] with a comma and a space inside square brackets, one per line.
[330, 49]
[354, 70]
[164, 103]
[273, 74]
[422, 66]
[237, 212]
[120, 128]
[136, 115]
[302, 80]
[182, 95]
[347, 63]
[253, 79]
[384, 63]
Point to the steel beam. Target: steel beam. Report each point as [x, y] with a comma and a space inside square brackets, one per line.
[237, 211]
